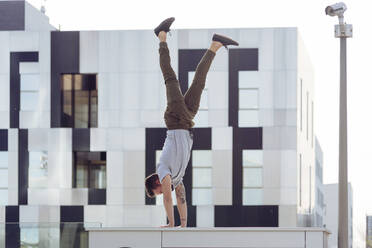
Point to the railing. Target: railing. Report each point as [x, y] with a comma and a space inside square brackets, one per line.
[45, 234]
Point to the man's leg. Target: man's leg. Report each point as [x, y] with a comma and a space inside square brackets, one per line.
[174, 94]
[193, 94]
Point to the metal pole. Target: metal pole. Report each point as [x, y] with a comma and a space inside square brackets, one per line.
[343, 237]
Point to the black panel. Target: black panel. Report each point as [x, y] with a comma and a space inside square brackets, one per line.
[80, 139]
[246, 216]
[64, 59]
[97, 196]
[243, 138]
[188, 60]
[15, 83]
[12, 231]
[12, 15]
[242, 59]
[155, 138]
[23, 163]
[191, 216]
[72, 214]
[3, 139]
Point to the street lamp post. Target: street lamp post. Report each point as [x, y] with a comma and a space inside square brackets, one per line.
[342, 31]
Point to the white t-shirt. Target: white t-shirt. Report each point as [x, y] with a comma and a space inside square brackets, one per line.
[175, 155]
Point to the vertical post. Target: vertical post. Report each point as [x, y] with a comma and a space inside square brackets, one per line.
[343, 237]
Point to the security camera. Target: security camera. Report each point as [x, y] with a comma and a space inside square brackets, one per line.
[336, 9]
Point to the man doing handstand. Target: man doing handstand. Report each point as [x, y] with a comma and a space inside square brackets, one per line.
[181, 110]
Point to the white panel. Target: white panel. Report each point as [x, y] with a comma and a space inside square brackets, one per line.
[252, 196]
[222, 138]
[199, 38]
[49, 214]
[288, 196]
[30, 82]
[202, 177]
[4, 160]
[266, 49]
[30, 102]
[37, 139]
[60, 139]
[252, 177]
[44, 97]
[202, 158]
[29, 214]
[89, 48]
[152, 118]
[29, 68]
[248, 98]
[314, 239]
[43, 196]
[98, 139]
[109, 46]
[134, 196]
[285, 49]
[3, 199]
[114, 139]
[201, 119]
[4, 92]
[21, 41]
[13, 196]
[218, 118]
[74, 196]
[94, 214]
[13, 139]
[150, 88]
[4, 119]
[287, 215]
[134, 139]
[222, 169]
[13, 170]
[218, 90]
[4, 52]
[134, 169]
[222, 196]
[44, 52]
[115, 169]
[248, 118]
[205, 216]
[202, 197]
[271, 196]
[130, 118]
[250, 37]
[131, 91]
[114, 216]
[115, 196]
[252, 157]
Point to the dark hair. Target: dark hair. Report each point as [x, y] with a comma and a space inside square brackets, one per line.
[150, 183]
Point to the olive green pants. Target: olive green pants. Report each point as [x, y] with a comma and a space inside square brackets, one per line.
[181, 109]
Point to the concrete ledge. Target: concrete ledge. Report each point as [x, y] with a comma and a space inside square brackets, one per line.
[208, 237]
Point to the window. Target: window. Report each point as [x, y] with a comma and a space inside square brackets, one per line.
[90, 170]
[29, 92]
[202, 177]
[38, 169]
[159, 198]
[252, 177]
[79, 100]
[307, 115]
[248, 107]
[201, 119]
[3, 178]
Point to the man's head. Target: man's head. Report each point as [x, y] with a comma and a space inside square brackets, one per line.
[153, 185]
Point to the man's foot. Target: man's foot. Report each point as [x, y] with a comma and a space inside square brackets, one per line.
[164, 26]
[225, 41]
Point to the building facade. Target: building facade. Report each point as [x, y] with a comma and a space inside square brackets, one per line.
[319, 210]
[81, 119]
[368, 231]
[331, 213]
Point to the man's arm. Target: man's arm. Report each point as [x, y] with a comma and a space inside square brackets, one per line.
[167, 199]
[181, 204]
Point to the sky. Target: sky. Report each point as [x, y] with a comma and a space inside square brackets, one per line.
[316, 30]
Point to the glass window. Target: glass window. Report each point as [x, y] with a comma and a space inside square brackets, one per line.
[80, 100]
[252, 177]
[30, 236]
[252, 196]
[248, 98]
[29, 100]
[38, 169]
[202, 177]
[90, 170]
[3, 159]
[248, 118]
[202, 158]
[202, 196]
[3, 178]
[252, 158]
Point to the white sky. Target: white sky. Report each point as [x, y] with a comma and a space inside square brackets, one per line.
[317, 32]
